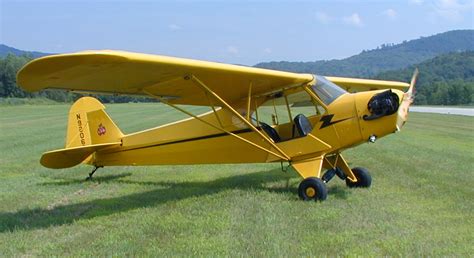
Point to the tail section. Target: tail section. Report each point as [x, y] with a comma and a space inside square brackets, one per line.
[89, 129]
[88, 124]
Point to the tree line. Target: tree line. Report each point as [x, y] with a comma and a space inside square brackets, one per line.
[444, 80]
[11, 64]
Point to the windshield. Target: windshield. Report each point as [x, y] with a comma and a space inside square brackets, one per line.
[326, 90]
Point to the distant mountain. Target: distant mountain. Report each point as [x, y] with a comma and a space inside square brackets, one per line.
[5, 50]
[446, 63]
[444, 80]
[386, 57]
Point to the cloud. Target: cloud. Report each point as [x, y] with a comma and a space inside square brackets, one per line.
[353, 20]
[267, 50]
[390, 14]
[417, 2]
[452, 10]
[174, 27]
[232, 50]
[323, 18]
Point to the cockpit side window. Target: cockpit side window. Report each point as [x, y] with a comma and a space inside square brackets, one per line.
[281, 108]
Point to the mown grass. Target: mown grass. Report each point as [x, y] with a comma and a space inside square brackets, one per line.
[421, 201]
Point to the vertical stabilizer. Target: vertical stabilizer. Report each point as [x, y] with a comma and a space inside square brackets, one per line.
[88, 124]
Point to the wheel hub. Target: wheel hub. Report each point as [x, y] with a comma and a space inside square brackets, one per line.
[310, 192]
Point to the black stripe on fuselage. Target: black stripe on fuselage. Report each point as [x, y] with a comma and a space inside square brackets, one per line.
[195, 139]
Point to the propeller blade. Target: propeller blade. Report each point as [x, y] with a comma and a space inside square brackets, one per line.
[407, 100]
[411, 89]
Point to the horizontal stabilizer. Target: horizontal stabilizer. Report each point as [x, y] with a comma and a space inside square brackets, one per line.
[70, 157]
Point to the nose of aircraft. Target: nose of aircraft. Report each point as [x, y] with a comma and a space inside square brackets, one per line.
[408, 98]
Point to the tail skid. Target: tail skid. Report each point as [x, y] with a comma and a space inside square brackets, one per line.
[89, 129]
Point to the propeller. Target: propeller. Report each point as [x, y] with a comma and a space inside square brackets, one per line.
[408, 98]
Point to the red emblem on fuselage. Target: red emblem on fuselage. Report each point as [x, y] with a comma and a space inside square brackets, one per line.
[101, 130]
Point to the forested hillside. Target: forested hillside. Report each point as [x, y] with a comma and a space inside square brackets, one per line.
[444, 80]
[8, 68]
[387, 57]
[5, 50]
[446, 63]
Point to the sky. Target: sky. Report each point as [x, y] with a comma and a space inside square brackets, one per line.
[239, 32]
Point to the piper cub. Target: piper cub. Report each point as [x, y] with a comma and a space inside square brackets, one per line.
[255, 115]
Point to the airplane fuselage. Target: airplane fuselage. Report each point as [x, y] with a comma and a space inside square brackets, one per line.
[191, 141]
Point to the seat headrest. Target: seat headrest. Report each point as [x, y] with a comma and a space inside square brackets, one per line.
[303, 125]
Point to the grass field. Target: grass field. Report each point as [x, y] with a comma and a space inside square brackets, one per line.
[420, 203]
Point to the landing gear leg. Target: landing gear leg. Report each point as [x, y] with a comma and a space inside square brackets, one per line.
[338, 166]
[356, 177]
[331, 173]
[92, 173]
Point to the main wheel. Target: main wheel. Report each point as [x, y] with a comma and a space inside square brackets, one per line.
[363, 178]
[312, 188]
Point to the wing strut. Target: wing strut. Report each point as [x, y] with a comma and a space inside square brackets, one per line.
[214, 109]
[164, 101]
[267, 139]
[249, 98]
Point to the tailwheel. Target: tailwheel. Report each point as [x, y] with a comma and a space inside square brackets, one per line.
[312, 188]
[363, 178]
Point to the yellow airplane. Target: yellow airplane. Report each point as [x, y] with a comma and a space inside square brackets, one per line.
[255, 115]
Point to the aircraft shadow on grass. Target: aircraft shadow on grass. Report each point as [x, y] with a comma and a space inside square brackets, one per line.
[30, 219]
[98, 179]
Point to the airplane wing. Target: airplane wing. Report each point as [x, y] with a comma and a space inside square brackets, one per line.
[118, 72]
[356, 85]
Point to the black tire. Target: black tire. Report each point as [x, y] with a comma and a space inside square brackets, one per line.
[312, 188]
[363, 178]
